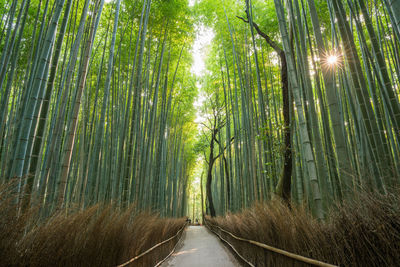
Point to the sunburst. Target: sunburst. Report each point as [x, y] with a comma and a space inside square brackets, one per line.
[332, 60]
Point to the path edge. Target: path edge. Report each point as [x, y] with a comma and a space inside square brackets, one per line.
[173, 249]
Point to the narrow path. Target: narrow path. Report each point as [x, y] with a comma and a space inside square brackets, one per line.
[199, 247]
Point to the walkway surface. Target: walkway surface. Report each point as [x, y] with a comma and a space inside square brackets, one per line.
[200, 247]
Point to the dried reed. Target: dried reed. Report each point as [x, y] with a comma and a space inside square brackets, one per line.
[363, 231]
[96, 236]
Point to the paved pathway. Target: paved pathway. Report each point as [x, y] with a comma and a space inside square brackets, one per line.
[201, 248]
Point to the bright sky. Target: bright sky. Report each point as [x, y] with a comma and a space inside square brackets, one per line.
[203, 39]
[191, 2]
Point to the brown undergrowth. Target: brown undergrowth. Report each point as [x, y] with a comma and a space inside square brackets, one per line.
[362, 232]
[96, 236]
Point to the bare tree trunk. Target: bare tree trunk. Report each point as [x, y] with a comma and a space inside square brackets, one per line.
[211, 160]
[283, 188]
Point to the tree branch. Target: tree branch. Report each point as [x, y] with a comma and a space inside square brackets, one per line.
[205, 157]
[201, 123]
[274, 45]
[223, 149]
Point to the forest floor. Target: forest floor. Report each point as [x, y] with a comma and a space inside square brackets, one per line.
[199, 247]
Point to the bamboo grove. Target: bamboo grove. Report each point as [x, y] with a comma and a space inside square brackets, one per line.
[96, 103]
[341, 62]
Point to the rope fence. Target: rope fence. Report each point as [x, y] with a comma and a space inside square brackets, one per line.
[154, 247]
[281, 252]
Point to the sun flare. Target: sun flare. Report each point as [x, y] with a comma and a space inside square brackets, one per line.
[332, 59]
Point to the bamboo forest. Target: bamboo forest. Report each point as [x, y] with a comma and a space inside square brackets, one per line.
[199, 133]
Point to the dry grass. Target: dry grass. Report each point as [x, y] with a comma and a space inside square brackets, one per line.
[361, 232]
[97, 236]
